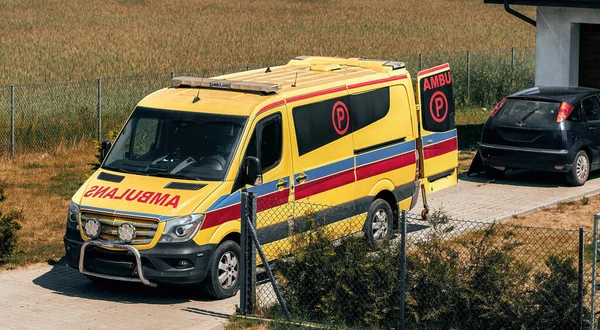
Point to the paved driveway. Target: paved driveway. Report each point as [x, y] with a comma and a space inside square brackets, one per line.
[50, 297]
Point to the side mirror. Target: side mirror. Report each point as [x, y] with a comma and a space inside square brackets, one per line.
[253, 171]
[104, 149]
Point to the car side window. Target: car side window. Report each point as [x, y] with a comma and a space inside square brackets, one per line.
[266, 142]
[591, 106]
[576, 114]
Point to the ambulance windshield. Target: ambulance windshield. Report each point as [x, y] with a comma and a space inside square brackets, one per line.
[176, 144]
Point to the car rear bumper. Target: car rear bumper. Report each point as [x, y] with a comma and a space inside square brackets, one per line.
[526, 158]
[157, 265]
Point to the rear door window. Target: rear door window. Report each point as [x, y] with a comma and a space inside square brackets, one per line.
[528, 112]
[591, 108]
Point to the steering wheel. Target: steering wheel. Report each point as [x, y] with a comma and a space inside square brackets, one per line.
[216, 160]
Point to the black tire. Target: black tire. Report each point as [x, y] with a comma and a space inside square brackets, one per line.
[227, 253]
[580, 170]
[379, 223]
[493, 173]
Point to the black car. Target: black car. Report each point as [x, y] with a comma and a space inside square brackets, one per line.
[553, 129]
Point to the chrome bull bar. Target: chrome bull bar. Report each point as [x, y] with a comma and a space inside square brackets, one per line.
[138, 260]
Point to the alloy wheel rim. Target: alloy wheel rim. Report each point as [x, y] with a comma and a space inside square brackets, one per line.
[379, 225]
[228, 270]
[581, 168]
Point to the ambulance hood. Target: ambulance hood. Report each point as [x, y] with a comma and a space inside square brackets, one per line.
[140, 195]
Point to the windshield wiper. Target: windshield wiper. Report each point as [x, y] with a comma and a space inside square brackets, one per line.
[528, 114]
[173, 176]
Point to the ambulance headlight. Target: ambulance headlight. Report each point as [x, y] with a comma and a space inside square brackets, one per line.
[92, 228]
[72, 216]
[126, 232]
[182, 229]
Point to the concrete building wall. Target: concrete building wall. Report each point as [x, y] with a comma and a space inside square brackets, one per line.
[557, 44]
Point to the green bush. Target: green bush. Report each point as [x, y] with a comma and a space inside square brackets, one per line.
[8, 231]
[474, 281]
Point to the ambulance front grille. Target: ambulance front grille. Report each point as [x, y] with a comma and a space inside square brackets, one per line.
[145, 230]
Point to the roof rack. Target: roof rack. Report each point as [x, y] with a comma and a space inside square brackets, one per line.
[250, 86]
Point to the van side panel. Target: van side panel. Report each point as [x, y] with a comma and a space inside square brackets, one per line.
[385, 149]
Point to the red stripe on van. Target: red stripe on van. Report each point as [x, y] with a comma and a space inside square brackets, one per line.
[379, 81]
[319, 93]
[435, 68]
[215, 218]
[270, 106]
[233, 212]
[440, 148]
[386, 165]
[324, 184]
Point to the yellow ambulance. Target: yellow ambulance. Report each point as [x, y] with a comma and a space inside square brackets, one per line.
[164, 206]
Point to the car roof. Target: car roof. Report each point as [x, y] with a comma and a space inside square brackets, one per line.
[570, 95]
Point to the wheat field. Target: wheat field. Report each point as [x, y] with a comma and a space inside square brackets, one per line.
[55, 40]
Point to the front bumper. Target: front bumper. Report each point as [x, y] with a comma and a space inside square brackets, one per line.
[126, 263]
[526, 158]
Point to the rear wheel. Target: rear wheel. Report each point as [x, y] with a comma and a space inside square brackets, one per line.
[379, 224]
[493, 173]
[580, 170]
[222, 279]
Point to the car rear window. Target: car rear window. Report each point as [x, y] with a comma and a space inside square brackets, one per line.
[528, 112]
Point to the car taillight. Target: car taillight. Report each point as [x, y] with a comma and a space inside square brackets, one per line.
[563, 112]
[498, 107]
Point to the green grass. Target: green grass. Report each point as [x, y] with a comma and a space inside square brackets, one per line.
[66, 182]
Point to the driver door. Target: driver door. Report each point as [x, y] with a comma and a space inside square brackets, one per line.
[270, 143]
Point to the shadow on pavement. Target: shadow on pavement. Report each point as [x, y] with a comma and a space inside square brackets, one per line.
[69, 282]
[526, 179]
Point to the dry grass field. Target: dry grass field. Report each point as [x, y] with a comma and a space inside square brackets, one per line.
[41, 185]
[56, 40]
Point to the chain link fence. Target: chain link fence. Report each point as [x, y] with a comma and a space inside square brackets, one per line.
[51, 114]
[442, 274]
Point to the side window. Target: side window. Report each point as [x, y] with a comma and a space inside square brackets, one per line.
[369, 107]
[591, 108]
[576, 114]
[266, 142]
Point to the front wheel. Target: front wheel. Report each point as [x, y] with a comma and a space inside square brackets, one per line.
[222, 279]
[379, 224]
[580, 170]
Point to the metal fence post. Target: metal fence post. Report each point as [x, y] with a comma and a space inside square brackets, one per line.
[12, 122]
[248, 257]
[99, 110]
[594, 261]
[580, 287]
[468, 75]
[512, 58]
[420, 62]
[402, 322]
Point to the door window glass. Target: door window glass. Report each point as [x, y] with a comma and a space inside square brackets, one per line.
[591, 108]
[269, 136]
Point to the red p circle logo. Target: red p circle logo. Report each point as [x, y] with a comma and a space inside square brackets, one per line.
[438, 106]
[340, 117]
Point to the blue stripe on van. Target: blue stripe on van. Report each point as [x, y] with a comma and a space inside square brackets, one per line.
[439, 137]
[384, 153]
[327, 170]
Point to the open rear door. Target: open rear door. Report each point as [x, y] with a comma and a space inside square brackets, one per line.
[438, 143]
